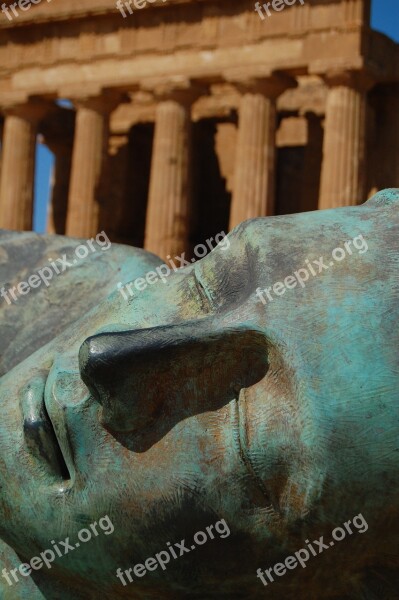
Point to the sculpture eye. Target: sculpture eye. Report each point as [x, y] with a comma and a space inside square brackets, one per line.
[225, 281]
[207, 298]
[174, 371]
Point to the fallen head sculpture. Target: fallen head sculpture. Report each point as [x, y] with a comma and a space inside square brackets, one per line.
[252, 397]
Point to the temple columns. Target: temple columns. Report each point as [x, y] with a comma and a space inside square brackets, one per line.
[18, 166]
[168, 212]
[253, 193]
[343, 168]
[88, 158]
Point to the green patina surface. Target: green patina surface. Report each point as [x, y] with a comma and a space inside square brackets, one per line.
[194, 401]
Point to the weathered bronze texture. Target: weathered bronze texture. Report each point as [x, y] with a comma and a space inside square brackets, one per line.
[194, 401]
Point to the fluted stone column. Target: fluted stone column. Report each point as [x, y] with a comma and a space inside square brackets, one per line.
[88, 158]
[254, 181]
[169, 200]
[18, 166]
[343, 168]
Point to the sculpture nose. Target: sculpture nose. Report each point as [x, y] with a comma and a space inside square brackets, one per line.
[171, 372]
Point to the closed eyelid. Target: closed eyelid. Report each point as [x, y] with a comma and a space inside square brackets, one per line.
[204, 293]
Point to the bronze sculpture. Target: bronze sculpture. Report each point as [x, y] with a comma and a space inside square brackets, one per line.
[195, 402]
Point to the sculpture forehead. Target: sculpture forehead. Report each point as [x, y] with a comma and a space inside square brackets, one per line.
[347, 304]
[276, 247]
[280, 237]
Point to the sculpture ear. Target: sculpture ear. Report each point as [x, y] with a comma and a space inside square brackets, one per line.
[176, 371]
[386, 197]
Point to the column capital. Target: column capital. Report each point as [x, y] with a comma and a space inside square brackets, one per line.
[103, 102]
[182, 90]
[33, 111]
[271, 86]
[361, 81]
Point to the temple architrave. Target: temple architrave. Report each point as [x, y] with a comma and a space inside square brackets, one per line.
[189, 116]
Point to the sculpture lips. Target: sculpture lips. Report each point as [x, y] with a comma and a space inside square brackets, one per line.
[39, 433]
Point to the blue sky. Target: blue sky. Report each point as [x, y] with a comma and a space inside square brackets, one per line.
[384, 18]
